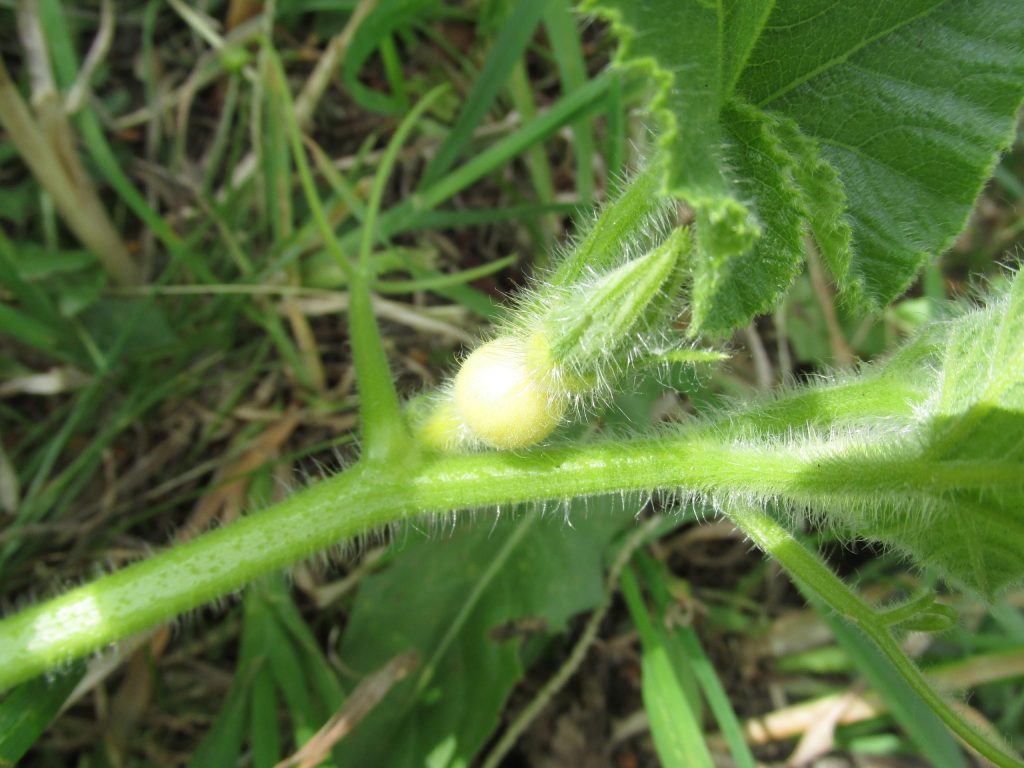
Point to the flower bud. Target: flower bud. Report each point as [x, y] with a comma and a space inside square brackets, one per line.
[595, 326]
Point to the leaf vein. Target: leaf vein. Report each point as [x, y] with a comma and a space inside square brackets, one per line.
[844, 56]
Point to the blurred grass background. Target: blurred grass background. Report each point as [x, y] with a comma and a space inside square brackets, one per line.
[201, 369]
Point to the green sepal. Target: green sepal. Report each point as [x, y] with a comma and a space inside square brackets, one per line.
[632, 217]
[595, 323]
[921, 614]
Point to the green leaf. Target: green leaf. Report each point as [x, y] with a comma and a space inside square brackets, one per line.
[686, 108]
[223, 742]
[977, 419]
[942, 482]
[263, 726]
[28, 710]
[823, 197]
[323, 678]
[28, 330]
[457, 601]
[38, 322]
[286, 671]
[882, 121]
[673, 711]
[912, 115]
[691, 658]
[732, 281]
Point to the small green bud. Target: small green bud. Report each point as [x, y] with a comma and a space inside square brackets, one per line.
[594, 326]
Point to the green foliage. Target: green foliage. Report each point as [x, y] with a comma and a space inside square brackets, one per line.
[380, 24]
[934, 467]
[671, 704]
[872, 125]
[595, 321]
[868, 127]
[279, 659]
[28, 710]
[973, 423]
[458, 601]
[691, 666]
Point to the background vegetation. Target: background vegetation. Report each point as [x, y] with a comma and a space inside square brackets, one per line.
[203, 369]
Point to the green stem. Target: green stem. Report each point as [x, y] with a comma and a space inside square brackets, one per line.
[385, 439]
[810, 571]
[380, 179]
[373, 495]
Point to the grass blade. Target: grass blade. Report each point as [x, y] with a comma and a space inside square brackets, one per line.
[564, 34]
[264, 737]
[655, 576]
[507, 48]
[677, 731]
[28, 710]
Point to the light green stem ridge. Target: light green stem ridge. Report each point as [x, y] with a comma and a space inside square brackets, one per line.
[367, 497]
[810, 571]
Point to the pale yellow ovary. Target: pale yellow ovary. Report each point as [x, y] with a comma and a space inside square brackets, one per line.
[502, 394]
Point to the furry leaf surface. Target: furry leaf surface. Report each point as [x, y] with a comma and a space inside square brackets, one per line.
[948, 479]
[872, 124]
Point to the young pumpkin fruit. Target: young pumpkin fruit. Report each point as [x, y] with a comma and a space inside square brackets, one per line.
[504, 393]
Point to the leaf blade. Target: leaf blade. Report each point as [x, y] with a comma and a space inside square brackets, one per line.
[896, 113]
[481, 582]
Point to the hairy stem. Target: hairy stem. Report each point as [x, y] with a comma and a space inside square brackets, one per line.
[810, 571]
[366, 497]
